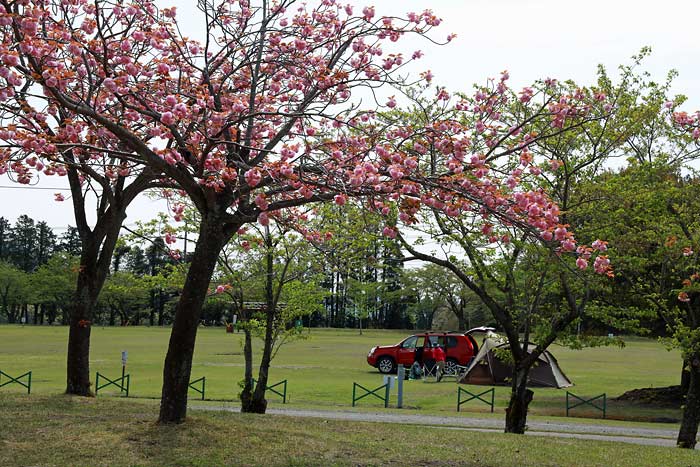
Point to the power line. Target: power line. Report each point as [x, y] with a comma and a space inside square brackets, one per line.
[25, 187]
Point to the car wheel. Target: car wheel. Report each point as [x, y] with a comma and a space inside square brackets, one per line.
[451, 366]
[386, 365]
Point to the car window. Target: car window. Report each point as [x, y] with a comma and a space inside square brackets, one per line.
[451, 341]
[436, 340]
[410, 343]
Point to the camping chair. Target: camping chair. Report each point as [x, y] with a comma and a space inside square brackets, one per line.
[431, 368]
[457, 372]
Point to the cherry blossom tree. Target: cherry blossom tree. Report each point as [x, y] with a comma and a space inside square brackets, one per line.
[264, 115]
[39, 136]
[511, 250]
[685, 325]
[241, 123]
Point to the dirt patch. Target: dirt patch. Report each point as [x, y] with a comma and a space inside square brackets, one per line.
[666, 397]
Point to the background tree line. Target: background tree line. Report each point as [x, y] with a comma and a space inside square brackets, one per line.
[361, 273]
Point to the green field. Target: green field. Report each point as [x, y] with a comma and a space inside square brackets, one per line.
[62, 431]
[321, 369]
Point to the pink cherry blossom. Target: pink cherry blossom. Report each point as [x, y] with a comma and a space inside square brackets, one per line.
[600, 245]
[389, 232]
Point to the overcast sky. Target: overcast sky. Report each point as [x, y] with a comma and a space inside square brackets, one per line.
[532, 39]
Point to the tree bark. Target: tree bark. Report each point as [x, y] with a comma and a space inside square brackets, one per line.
[247, 392]
[97, 249]
[78, 363]
[685, 377]
[687, 435]
[258, 403]
[178, 361]
[520, 398]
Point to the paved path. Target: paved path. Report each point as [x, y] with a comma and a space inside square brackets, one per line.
[634, 435]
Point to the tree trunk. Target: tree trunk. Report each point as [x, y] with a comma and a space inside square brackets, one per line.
[161, 307]
[78, 362]
[97, 247]
[152, 314]
[685, 377]
[247, 392]
[520, 398]
[259, 404]
[178, 361]
[687, 435]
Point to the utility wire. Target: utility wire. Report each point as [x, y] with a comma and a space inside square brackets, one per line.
[25, 187]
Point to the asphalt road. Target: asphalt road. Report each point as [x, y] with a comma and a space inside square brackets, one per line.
[564, 429]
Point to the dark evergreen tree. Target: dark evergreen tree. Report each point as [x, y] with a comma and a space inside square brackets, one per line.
[46, 243]
[120, 252]
[5, 238]
[24, 242]
[70, 242]
[136, 261]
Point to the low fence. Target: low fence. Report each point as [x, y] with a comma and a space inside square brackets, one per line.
[27, 385]
[122, 383]
[573, 401]
[473, 396]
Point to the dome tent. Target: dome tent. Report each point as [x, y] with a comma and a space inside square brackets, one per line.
[488, 369]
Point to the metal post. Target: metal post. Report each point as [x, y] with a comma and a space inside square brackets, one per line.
[353, 394]
[605, 404]
[204, 383]
[128, 380]
[493, 395]
[387, 391]
[401, 373]
[29, 386]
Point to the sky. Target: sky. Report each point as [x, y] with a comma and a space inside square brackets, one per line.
[532, 39]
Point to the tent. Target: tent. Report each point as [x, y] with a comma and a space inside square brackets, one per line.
[488, 369]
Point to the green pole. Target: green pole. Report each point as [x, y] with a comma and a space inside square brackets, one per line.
[605, 405]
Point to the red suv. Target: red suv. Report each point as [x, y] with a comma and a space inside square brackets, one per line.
[459, 347]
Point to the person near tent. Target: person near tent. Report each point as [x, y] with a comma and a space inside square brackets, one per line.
[434, 358]
[416, 371]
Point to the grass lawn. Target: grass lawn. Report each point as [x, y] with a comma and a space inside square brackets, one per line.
[321, 369]
[62, 431]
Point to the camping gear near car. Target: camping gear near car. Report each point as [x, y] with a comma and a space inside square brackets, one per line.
[487, 369]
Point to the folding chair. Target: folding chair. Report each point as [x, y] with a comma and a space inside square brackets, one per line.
[433, 369]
